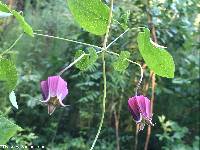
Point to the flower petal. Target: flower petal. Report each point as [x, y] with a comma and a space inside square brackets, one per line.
[142, 105]
[44, 89]
[54, 90]
[62, 90]
[60, 101]
[148, 107]
[134, 109]
[53, 84]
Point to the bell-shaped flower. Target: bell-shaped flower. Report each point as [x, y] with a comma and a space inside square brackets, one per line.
[140, 109]
[54, 90]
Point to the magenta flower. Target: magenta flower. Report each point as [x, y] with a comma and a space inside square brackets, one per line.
[54, 90]
[140, 108]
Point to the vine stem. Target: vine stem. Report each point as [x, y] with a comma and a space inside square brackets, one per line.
[104, 74]
[153, 79]
[70, 65]
[141, 69]
[16, 41]
[121, 35]
[117, 38]
[136, 136]
[69, 40]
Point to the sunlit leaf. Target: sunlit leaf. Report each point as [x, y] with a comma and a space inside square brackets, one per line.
[4, 7]
[26, 27]
[121, 64]
[7, 130]
[92, 15]
[7, 12]
[8, 74]
[13, 100]
[155, 56]
[88, 60]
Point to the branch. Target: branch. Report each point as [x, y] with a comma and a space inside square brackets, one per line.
[68, 40]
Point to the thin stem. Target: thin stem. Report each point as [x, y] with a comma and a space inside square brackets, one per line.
[141, 75]
[69, 40]
[141, 69]
[56, 131]
[109, 25]
[122, 35]
[136, 136]
[117, 38]
[70, 65]
[153, 84]
[16, 41]
[153, 80]
[104, 76]
[117, 129]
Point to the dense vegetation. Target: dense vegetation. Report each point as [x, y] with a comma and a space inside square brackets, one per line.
[176, 107]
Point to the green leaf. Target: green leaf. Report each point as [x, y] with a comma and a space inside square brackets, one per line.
[8, 74]
[92, 56]
[121, 64]
[92, 15]
[155, 56]
[4, 8]
[83, 63]
[26, 27]
[13, 100]
[7, 130]
[87, 60]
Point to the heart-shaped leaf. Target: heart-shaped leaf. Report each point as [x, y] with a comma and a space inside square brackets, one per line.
[87, 60]
[121, 64]
[92, 15]
[155, 56]
[7, 130]
[8, 74]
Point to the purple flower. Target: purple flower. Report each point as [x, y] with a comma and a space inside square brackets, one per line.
[54, 90]
[140, 108]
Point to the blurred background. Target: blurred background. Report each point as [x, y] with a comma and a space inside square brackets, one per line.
[176, 105]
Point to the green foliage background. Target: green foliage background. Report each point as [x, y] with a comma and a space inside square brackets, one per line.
[74, 127]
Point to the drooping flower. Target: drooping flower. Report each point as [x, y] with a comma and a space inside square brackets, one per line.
[140, 109]
[54, 90]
